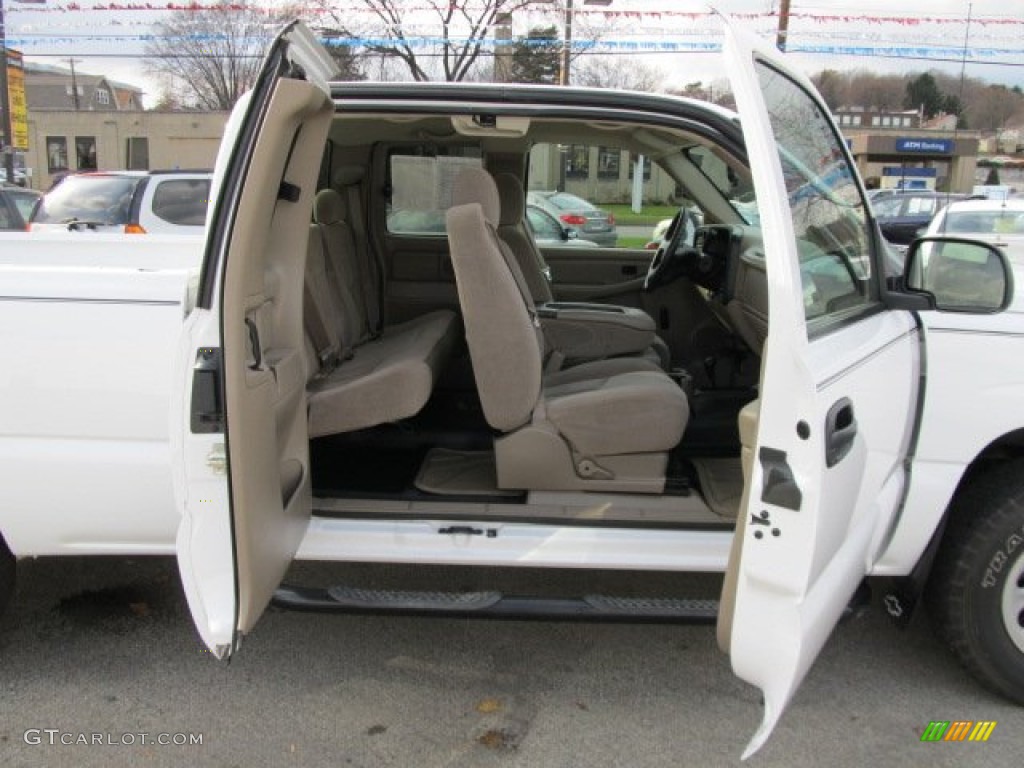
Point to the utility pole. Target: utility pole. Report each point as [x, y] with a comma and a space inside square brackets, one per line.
[8, 145]
[563, 73]
[74, 81]
[780, 39]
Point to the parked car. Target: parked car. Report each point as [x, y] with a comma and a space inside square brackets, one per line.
[548, 232]
[1000, 222]
[133, 202]
[337, 392]
[16, 205]
[578, 215]
[903, 216]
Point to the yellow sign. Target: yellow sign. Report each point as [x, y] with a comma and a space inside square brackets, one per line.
[16, 100]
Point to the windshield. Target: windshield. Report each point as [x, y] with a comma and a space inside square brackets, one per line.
[100, 199]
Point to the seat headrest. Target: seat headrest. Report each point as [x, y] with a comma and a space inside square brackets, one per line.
[512, 197]
[329, 207]
[348, 175]
[475, 185]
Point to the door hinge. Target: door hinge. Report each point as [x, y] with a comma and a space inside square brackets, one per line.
[207, 408]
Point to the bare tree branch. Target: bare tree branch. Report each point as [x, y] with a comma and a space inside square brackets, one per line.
[461, 29]
[211, 57]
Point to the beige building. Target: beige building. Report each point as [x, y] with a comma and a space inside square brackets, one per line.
[63, 141]
[942, 160]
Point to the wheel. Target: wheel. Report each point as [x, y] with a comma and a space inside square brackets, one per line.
[7, 569]
[976, 591]
[670, 260]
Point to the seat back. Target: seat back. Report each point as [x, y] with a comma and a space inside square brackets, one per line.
[341, 265]
[514, 229]
[501, 330]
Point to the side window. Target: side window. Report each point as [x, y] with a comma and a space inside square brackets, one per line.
[588, 190]
[420, 180]
[921, 206]
[826, 206]
[182, 201]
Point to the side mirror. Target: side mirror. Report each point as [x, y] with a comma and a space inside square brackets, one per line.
[959, 275]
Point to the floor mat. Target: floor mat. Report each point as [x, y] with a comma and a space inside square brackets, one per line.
[459, 473]
[721, 484]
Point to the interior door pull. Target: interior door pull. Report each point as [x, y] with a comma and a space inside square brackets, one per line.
[840, 431]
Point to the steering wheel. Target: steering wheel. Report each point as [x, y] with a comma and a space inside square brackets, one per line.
[673, 258]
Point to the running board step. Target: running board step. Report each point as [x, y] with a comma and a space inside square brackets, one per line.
[496, 605]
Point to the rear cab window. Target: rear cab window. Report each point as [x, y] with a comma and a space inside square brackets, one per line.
[420, 181]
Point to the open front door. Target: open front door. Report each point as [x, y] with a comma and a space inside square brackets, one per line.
[238, 420]
[825, 443]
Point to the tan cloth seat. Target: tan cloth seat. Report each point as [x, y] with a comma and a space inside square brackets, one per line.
[607, 425]
[514, 230]
[359, 378]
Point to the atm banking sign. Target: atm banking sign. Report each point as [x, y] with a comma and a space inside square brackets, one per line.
[927, 146]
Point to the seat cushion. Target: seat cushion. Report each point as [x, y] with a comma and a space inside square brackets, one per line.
[387, 379]
[619, 413]
[579, 377]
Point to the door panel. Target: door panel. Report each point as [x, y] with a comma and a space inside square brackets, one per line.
[245, 491]
[839, 387]
[608, 275]
[420, 277]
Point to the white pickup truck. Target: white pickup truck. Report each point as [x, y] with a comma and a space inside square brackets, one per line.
[760, 399]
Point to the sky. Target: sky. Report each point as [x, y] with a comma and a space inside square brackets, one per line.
[822, 33]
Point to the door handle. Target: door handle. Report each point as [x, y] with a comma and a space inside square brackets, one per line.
[840, 431]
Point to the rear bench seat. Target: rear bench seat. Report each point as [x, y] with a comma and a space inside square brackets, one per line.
[361, 376]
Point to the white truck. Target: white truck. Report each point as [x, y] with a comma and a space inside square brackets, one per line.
[762, 398]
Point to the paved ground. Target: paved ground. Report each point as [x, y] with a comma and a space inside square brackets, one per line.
[106, 646]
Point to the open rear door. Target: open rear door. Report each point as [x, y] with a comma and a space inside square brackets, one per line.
[825, 443]
[238, 418]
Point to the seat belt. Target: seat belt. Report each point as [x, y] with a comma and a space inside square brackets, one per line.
[326, 352]
[373, 302]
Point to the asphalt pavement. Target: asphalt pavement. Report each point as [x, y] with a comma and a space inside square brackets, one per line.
[104, 650]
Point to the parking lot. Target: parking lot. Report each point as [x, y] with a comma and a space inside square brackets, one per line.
[106, 646]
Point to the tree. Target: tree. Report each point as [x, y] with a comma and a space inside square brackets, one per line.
[208, 58]
[348, 61]
[993, 177]
[832, 86]
[460, 28]
[536, 57]
[616, 72]
[923, 93]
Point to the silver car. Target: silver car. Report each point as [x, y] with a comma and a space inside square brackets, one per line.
[577, 215]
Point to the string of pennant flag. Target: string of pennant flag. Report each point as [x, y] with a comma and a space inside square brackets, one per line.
[43, 6]
[999, 40]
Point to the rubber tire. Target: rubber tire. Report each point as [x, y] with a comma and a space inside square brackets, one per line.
[7, 570]
[986, 518]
